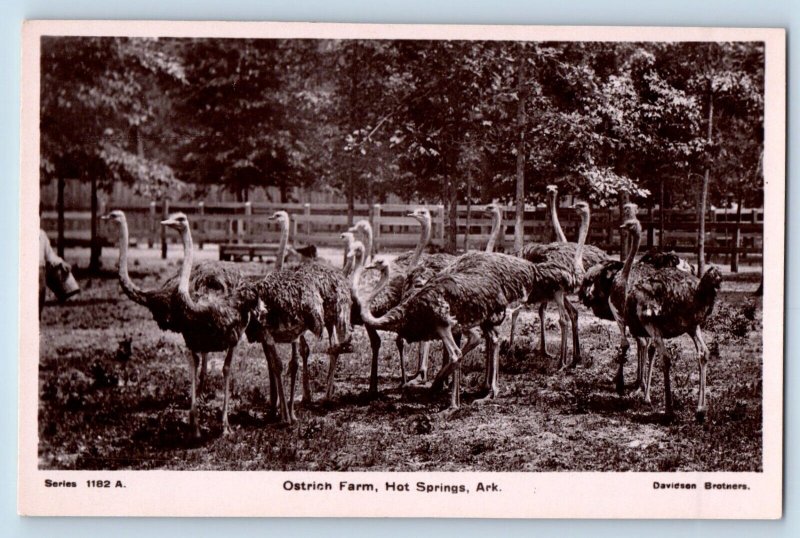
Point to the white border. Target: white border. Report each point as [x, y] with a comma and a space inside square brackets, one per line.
[550, 495]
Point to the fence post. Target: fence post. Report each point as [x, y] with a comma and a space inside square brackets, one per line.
[307, 218]
[60, 213]
[151, 240]
[201, 224]
[241, 229]
[376, 227]
[164, 230]
[440, 230]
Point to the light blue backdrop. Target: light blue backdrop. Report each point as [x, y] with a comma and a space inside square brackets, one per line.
[581, 12]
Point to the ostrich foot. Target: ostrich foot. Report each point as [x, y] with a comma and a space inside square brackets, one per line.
[488, 398]
[417, 380]
[226, 430]
[700, 416]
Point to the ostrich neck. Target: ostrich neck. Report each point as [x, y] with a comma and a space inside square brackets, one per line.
[554, 219]
[497, 218]
[389, 321]
[582, 234]
[186, 271]
[135, 293]
[424, 238]
[281, 245]
[368, 246]
[633, 238]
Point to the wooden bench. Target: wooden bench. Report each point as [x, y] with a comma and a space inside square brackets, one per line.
[237, 252]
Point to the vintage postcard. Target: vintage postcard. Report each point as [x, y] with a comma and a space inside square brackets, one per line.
[291, 269]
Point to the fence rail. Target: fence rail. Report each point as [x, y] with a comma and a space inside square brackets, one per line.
[321, 224]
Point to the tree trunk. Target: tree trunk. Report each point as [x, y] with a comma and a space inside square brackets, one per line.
[519, 225]
[354, 108]
[661, 218]
[60, 210]
[451, 207]
[94, 257]
[469, 212]
[701, 247]
[737, 236]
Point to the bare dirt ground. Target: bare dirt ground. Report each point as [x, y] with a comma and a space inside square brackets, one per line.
[97, 413]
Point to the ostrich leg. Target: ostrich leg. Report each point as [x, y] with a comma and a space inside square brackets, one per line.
[473, 339]
[305, 351]
[666, 365]
[563, 322]
[421, 376]
[514, 315]
[401, 351]
[572, 312]
[643, 353]
[454, 367]
[622, 355]
[702, 358]
[333, 354]
[276, 367]
[226, 376]
[293, 366]
[194, 360]
[542, 339]
[493, 363]
[375, 345]
[201, 381]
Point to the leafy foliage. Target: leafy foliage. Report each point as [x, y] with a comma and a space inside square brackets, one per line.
[434, 121]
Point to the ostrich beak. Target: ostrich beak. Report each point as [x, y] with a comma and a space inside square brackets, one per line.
[105, 217]
[169, 222]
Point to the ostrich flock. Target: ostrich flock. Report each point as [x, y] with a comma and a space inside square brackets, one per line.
[423, 297]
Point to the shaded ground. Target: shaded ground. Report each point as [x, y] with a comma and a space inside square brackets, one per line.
[97, 413]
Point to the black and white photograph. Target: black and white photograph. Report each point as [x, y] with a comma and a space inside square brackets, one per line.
[404, 255]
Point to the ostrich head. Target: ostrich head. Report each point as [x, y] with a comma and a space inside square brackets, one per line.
[177, 221]
[582, 208]
[116, 216]
[381, 266]
[552, 190]
[492, 208]
[355, 251]
[348, 237]
[280, 216]
[421, 214]
[632, 226]
[360, 226]
[629, 211]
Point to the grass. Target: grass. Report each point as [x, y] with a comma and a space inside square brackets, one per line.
[96, 413]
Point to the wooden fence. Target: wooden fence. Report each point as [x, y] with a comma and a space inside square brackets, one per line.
[321, 224]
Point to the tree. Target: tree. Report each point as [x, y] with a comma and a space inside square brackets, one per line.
[98, 102]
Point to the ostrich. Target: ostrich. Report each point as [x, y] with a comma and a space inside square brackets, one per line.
[349, 240]
[391, 294]
[213, 321]
[365, 228]
[569, 259]
[662, 303]
[307, 297]
[163, 301]
[596, 289]
[562, 251]
[432, 265]
[474, 291]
